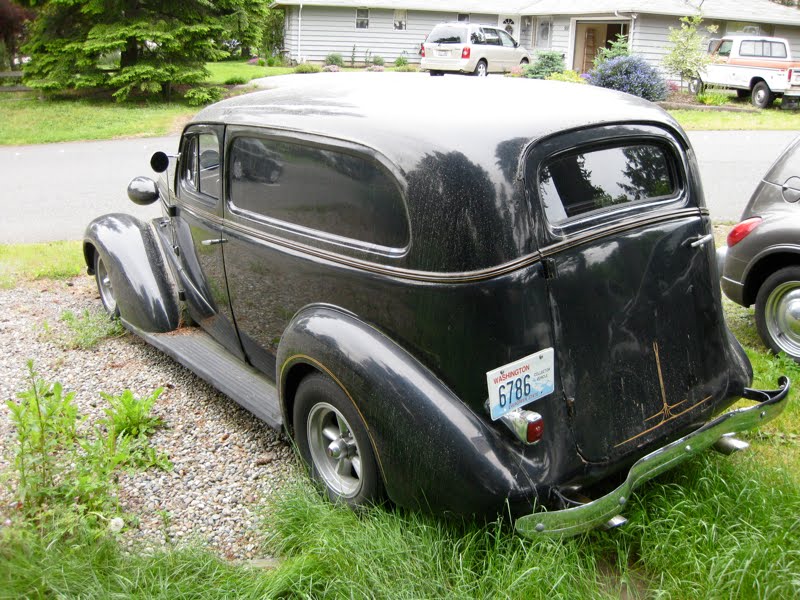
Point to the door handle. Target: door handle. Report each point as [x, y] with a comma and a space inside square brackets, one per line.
[212, 242]
[702, 240]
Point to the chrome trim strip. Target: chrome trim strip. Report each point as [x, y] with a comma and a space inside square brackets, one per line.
[450, 277]
[575, 520]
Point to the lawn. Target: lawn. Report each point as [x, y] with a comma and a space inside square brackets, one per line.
[767, 119]
[27, 119]
[715, 527]
[240, 71]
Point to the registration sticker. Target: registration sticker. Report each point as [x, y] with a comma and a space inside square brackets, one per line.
[520, 382]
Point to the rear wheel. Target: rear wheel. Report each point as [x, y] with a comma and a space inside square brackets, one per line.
[481, 69]
[762, 96]
[778, 312]
[103, 277]
[523, 62]
[333, 441]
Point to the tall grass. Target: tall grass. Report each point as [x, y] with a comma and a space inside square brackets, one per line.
[50, 260]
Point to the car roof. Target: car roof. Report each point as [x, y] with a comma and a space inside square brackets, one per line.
[404, 115]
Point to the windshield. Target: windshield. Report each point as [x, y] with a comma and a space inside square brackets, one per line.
[447, 34]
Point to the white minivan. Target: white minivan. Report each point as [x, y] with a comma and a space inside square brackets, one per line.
[471, 48]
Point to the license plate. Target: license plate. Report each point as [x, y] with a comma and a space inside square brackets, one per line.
[443, 53]
[521, 382]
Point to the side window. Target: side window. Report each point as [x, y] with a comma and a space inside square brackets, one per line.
[477, 37]
[580, 183]
[325, 190]
[725, 48]
[506, 39]
[492, 37]
[748, 48]
[778, 50]
[200, 160]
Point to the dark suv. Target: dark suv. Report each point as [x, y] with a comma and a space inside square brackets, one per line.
[458, 318]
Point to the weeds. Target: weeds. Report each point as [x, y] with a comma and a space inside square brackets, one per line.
[89, 328]
[66, 471]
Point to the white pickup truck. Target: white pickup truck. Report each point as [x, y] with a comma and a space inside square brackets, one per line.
[761, 67]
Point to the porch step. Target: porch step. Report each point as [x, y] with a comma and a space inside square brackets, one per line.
[208, 359]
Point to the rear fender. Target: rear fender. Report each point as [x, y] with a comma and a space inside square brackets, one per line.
[143, 290]
[433, 450]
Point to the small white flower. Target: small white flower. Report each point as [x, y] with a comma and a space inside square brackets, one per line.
[116, 524]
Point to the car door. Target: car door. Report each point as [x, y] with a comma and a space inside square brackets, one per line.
[198, 233]
[509, 50]
[640, 338]
[493, 49]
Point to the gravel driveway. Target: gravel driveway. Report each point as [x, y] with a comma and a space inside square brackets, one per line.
[226, 462]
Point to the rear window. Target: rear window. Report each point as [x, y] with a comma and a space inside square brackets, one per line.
[448, 34]
[763, 48]
[575, 184]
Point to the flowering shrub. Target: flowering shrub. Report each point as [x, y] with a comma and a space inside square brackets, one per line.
[630, 74]
[330, 69]
[376, 68]
[515, 72]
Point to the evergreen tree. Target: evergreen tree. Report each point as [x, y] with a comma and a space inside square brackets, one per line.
[129, 45]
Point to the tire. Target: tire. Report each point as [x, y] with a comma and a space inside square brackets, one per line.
[778, 312]
[326, 423]
[523, 62]
[102, 276]
[481, 69]
[761, 97]
[696, 86]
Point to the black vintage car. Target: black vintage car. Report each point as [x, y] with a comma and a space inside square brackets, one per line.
[461, 294]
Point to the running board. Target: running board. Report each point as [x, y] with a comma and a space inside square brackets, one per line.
[208, 359]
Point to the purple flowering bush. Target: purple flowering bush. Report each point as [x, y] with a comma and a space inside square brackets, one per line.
[630, 74]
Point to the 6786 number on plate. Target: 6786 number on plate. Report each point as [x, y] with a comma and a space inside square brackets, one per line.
[521, 382]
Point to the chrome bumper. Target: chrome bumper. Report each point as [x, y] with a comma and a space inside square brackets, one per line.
[572, 521]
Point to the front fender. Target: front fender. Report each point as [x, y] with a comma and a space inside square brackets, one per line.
[433, 450]
[143, 290]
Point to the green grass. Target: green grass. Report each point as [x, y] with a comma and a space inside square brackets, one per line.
[221, 72]
[27, 119]
[768, 119]
[51, 260]
[89, 328]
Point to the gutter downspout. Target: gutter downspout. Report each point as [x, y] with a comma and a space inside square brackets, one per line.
[300, 34]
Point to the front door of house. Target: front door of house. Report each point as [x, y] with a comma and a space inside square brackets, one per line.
[510, 24]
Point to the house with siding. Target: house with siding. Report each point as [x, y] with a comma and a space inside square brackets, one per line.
[576, 28]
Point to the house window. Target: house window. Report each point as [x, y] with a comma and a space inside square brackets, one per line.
[742, 27]
[544, 29]
[400, 20]
[362, 18]
[463, 17]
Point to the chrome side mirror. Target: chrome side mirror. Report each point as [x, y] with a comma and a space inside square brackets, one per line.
[159, 162]
[142, 191]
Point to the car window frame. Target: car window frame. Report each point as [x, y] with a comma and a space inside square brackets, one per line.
[192, 195]
[295, 232]
[597, 138]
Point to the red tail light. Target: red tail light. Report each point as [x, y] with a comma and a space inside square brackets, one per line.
[790, 74]
[742, 230]
[422, 50]
[465, 52]
[535, 430]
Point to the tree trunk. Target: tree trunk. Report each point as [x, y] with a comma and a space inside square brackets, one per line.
[130, 55]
